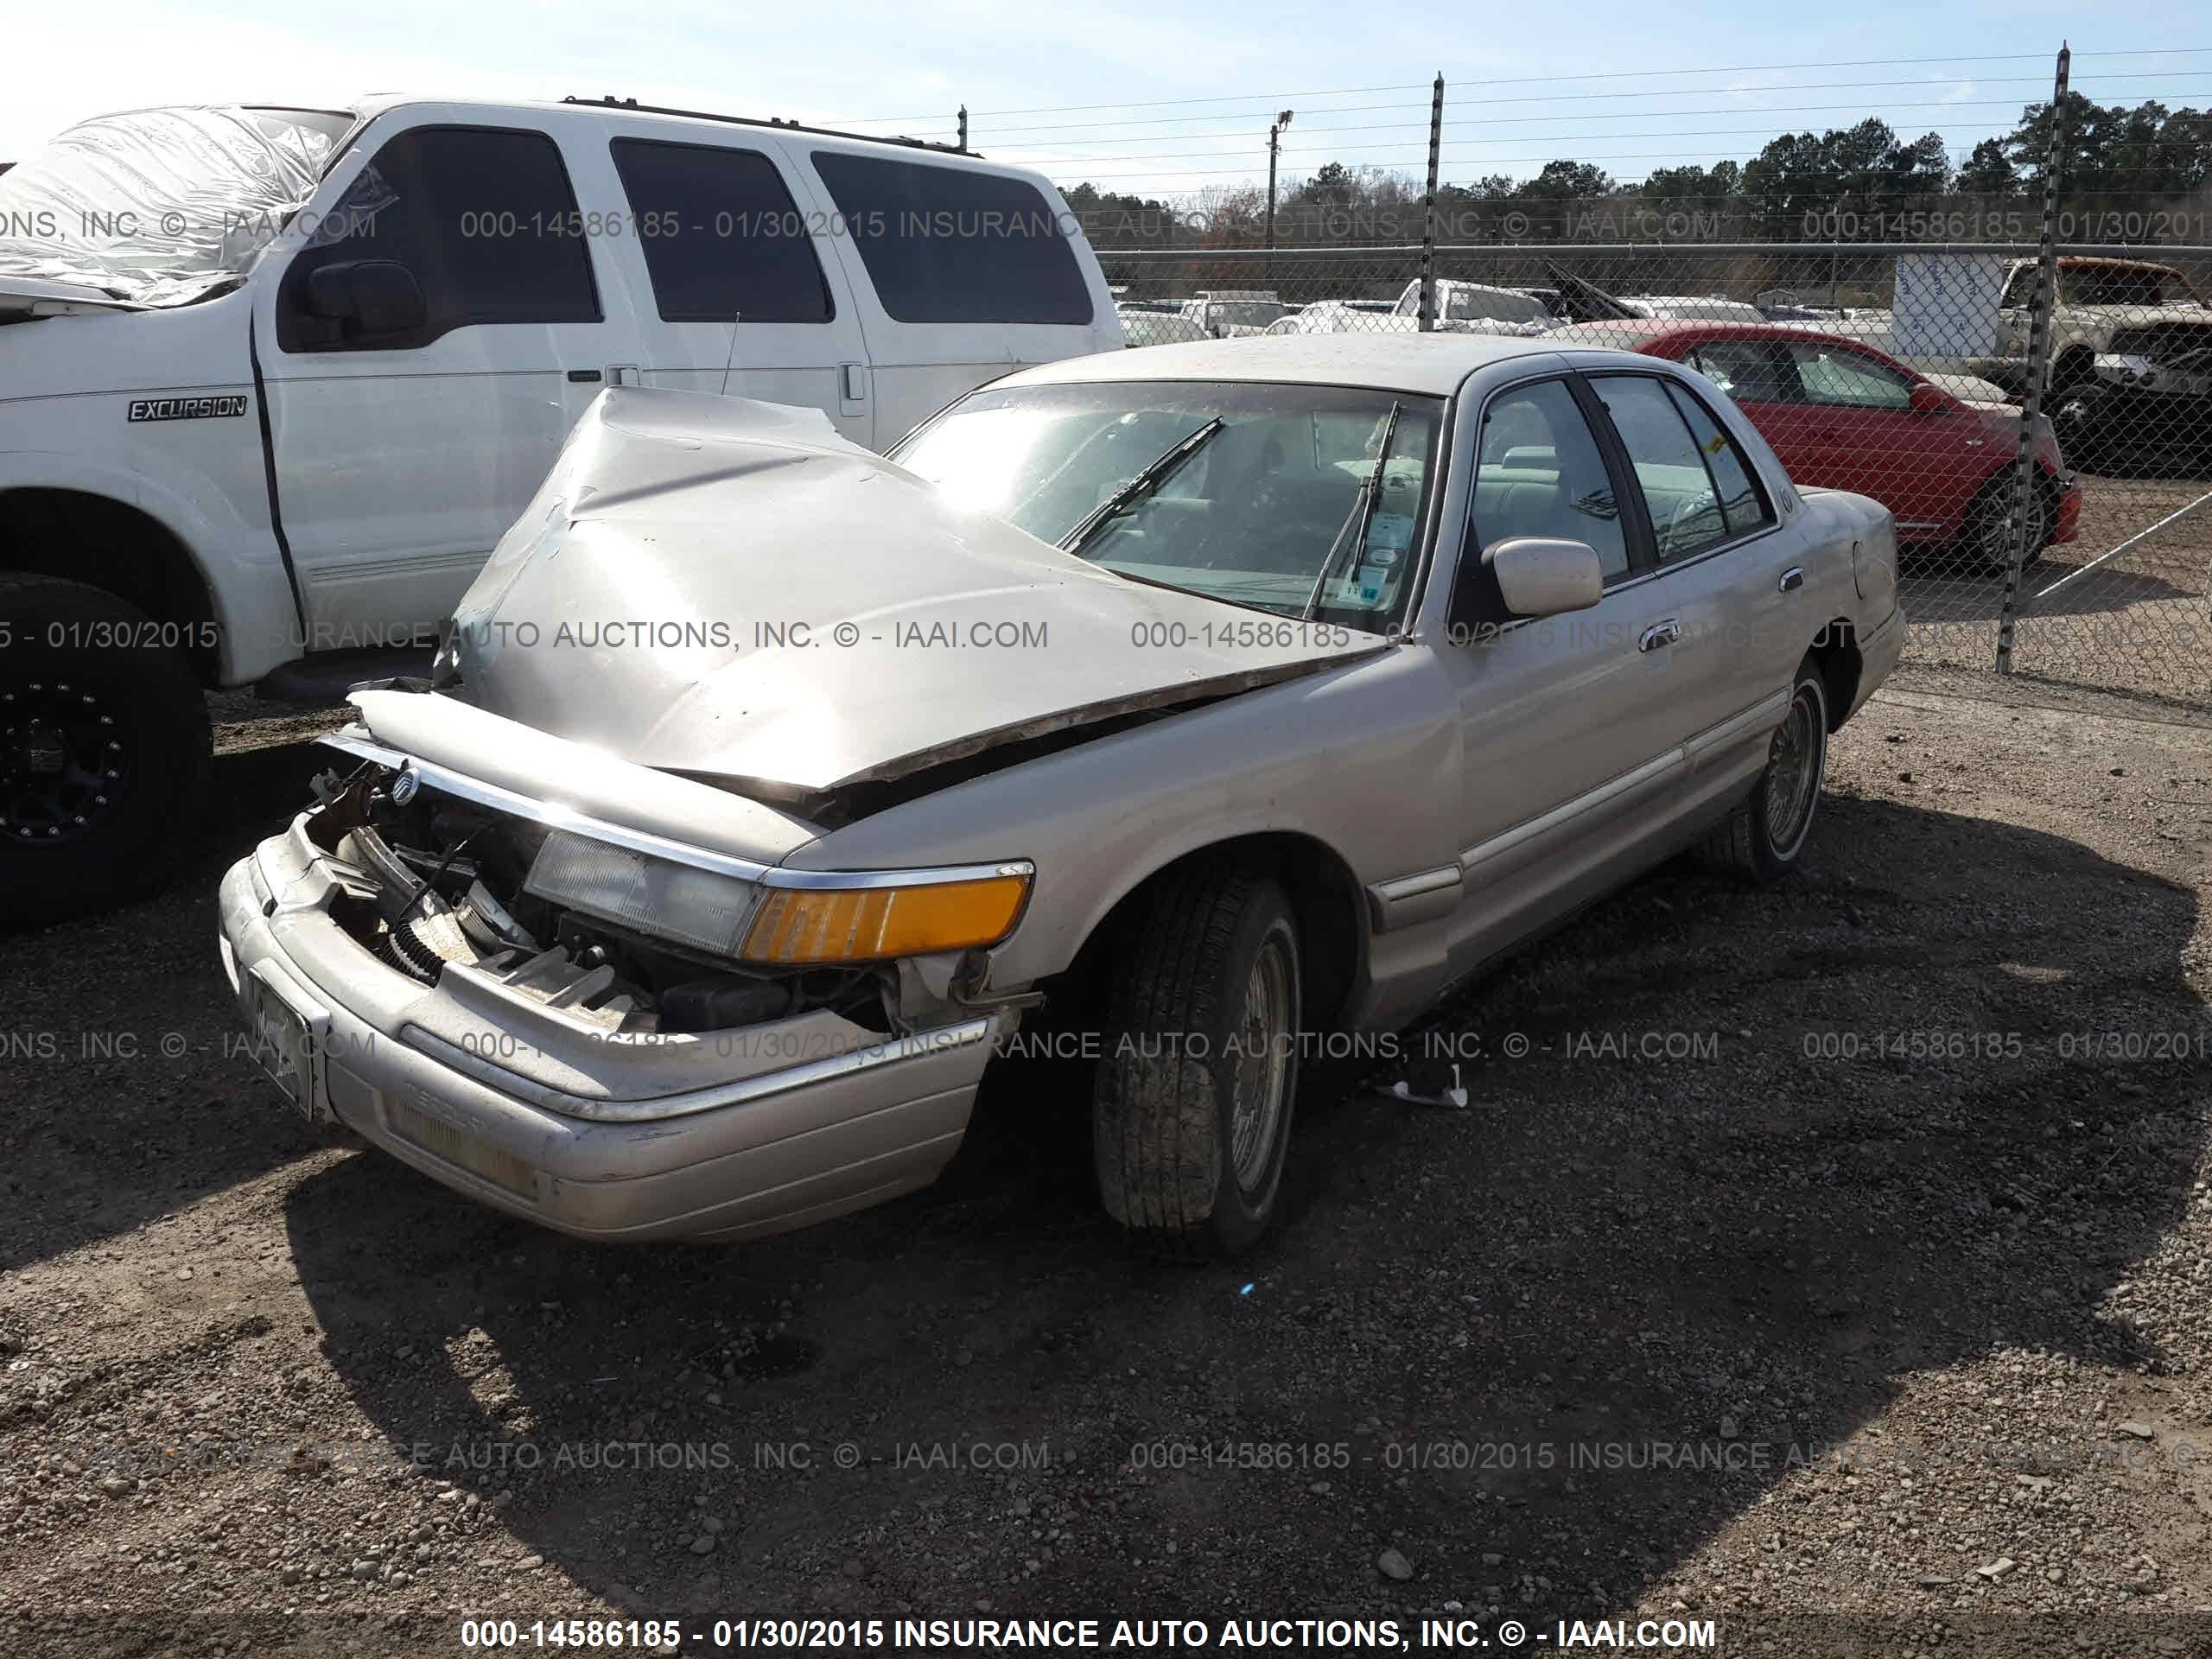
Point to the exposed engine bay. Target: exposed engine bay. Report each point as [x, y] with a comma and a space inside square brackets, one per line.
[432, 881]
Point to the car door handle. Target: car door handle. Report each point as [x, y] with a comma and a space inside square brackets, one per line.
[1659, 634]
[621, 374]
[1792, 579]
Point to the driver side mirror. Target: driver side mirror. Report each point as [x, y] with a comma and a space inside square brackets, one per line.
[1524, 577]
[1927, 398]
[367, 298]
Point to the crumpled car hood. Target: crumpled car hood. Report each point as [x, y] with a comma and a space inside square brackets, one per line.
[726, 588]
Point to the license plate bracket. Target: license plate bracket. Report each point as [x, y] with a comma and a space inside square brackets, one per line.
[289, 1031]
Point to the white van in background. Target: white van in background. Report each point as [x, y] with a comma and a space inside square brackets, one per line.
[274, 381]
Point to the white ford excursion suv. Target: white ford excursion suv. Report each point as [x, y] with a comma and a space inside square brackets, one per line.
[274, 381]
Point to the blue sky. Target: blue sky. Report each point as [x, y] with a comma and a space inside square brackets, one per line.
[1524, 83]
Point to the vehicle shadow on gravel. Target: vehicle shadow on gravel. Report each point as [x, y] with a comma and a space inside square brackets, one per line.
[1462, 1344]
[121, 1102]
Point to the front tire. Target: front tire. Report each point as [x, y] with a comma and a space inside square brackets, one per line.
[1191, 1109]
[1764, 837]
[104, 750]
[1986, 536]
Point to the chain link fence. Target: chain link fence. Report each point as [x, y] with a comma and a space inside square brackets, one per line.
[1898, 370]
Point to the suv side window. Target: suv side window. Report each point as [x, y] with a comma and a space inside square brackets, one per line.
[1682, 497]
[1539, 472]
[1837, 378]
[482, 218]
[956, 244]
[721, 235]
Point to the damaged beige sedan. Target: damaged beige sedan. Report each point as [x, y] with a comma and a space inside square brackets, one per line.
[1174, 708]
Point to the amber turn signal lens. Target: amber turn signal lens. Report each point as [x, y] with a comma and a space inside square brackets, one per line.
[797, 926]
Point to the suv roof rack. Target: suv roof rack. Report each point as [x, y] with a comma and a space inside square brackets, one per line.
[611, 102]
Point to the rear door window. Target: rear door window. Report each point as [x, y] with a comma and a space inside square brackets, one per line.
[1679, 493]
[721, 235]
[955, 243]
[1743, 504]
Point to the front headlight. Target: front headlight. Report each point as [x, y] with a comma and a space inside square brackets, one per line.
[654, 895]
[804, 926]
[877, 918]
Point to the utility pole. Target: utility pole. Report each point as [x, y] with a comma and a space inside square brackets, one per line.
[1428, 209]
[1275, 144]
[2023, 522]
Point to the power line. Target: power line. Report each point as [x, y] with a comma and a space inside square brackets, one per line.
[1273, 98]
[1624, 115]
[1763, 135]
[1589, 98]
[1492, 161]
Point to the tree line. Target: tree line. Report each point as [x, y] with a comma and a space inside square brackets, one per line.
[2118, 154]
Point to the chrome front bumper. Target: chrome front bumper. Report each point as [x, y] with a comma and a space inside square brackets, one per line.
[521, 1105]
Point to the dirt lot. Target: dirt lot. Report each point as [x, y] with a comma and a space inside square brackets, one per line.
[2140, 623]
[1832, 1265]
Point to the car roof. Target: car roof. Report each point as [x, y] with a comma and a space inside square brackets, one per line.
[1433, 364]
[1641, 334]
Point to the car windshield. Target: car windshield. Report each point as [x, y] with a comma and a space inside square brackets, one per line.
[161, 208]
[1305, 500]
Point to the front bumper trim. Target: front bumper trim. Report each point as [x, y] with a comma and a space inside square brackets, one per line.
[801, 1075]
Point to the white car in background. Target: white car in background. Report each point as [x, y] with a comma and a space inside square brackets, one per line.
[1144, 326]
[1694, 308]
[1338, 317]
[1466, 308]
[1233, 313]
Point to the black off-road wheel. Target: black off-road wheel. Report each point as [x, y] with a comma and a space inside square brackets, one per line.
[1764, 837]
[104, 750]
[1192, 1108]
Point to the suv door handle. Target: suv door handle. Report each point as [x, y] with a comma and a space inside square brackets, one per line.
[1659, 634]
[1792, 579]
[621, 374]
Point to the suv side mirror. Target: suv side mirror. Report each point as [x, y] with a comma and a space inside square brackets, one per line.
[1926, 398]
[367, 297]
[1524, 577]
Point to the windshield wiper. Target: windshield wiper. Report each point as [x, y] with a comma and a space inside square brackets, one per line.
[1155, 475]
[1370, 496]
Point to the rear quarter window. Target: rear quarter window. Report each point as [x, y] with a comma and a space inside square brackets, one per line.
[954, 244]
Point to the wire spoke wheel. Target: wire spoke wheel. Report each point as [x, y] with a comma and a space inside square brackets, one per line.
[1793, 785]
[1262, 1065]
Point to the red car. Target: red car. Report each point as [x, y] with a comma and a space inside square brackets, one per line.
[1842, 416]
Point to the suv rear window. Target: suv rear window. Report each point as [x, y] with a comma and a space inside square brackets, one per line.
[955, 245]
[720, 234]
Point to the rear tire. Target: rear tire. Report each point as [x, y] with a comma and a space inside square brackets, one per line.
[1191, 1109]
[1764, 837]
[104, 750]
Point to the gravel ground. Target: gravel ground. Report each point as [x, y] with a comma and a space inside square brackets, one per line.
[1826, 1260]
[2139, 624]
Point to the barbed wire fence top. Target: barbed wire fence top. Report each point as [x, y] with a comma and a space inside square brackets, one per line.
[2001, 327]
